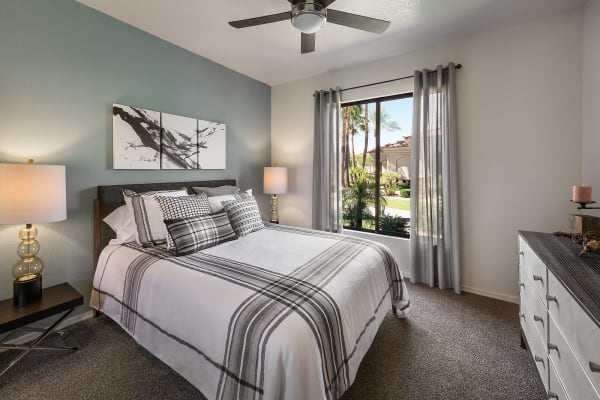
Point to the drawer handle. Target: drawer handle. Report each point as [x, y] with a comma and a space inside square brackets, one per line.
[594, 367]
[538, 359]
[537, 318]
[521, 284]
[551, 298]
[552, 395]
[538, 278]
[552, 346]
[522, 254]
[521, 315]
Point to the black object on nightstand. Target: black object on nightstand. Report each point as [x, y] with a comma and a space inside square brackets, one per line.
[57, 299]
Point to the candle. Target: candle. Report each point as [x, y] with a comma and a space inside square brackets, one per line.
[582, 194]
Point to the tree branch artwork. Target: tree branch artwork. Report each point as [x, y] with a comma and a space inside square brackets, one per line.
[211, 136]
[136, 138]
[145, 139]
[179, 142]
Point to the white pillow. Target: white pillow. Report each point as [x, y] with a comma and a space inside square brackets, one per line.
[217, 190]
[148, 215]
[216, 202]
[122, 223]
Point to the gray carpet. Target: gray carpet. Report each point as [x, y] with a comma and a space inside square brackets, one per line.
[449, 347]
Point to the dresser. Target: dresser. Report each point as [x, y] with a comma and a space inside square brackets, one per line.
[560, 314]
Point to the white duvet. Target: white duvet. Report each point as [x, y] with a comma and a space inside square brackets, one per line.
[283, 313]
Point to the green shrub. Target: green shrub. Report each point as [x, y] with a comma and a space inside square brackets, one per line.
[392, 223]
[405, 193]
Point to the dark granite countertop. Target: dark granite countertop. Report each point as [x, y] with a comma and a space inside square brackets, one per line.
[579, 275]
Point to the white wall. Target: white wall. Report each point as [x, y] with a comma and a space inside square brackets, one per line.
[591, 98]
[519, 122]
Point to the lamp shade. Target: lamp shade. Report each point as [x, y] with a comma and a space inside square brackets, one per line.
[32, 193]
[276, 181]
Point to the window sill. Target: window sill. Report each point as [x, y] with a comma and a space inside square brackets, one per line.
[373, 235]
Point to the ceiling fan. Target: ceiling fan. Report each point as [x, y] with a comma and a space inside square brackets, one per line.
[308, 16]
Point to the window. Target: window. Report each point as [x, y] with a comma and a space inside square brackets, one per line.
[376, 148]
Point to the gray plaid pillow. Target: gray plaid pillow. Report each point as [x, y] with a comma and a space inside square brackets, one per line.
[182, 207]
[244, 215]
[201, 232]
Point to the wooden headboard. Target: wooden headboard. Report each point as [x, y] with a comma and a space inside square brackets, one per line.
[111, 197]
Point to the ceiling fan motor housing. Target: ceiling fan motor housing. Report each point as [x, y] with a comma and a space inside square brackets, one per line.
[308, 17]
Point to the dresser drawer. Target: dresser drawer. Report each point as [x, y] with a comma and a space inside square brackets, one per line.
[583, 335]
[555, 386]
[537, 344]
[534, 271]
[534, 311]
[576, 383]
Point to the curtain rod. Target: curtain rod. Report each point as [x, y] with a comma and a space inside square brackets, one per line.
[458, 66]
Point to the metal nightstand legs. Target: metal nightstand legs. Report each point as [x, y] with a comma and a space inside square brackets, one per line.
[67, 338]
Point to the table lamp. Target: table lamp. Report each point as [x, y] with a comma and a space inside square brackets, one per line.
[30, 193]
[275, 182]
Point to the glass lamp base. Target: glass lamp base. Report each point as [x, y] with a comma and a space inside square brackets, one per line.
[27, 291]
[274, 213]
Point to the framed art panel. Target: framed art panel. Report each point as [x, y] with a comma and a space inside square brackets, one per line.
[136, 138]
[179, 142]
[211, 145]
[145, 139]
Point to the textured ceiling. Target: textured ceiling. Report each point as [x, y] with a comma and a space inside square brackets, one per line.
[271, 53]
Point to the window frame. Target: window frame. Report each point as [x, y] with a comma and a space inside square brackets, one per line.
[378, 101]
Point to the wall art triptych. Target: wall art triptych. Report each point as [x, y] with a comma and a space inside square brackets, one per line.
[145, 139]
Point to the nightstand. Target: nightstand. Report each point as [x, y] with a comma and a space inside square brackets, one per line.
[55, 300]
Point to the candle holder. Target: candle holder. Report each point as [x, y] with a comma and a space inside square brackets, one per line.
[584, 205]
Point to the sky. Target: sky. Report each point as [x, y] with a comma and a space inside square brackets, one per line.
[400, 111]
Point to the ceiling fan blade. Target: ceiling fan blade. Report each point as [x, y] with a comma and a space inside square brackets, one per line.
[307, 43]
[267, 19]
[357, 21]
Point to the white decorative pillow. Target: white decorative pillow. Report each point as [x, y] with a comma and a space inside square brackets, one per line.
[216, 190]
[122, 223]
[201, 232]
[147, 214]
[216, 202]
[244, 215]
[182, 207]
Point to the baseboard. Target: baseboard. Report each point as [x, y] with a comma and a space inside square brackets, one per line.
[489, 293]
[28, 337]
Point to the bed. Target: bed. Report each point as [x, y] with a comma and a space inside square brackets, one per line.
[282, 313]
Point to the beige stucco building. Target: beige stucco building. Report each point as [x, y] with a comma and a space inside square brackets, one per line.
[395, 157]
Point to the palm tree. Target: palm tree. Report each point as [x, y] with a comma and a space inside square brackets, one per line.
[385, 123]
[366, 130]
[360, 194]
[351, 122]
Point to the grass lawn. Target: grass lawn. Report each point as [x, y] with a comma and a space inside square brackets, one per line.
[399, 203]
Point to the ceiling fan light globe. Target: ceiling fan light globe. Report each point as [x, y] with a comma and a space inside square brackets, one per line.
[308, 22]
[308, 17]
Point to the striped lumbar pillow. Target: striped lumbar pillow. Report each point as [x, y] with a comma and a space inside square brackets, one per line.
[147, 214]
[200, 232]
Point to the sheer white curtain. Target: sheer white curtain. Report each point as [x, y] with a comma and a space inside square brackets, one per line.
[327, 202]
[435, 242]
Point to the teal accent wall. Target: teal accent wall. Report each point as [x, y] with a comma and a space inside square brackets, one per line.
[62, 66]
